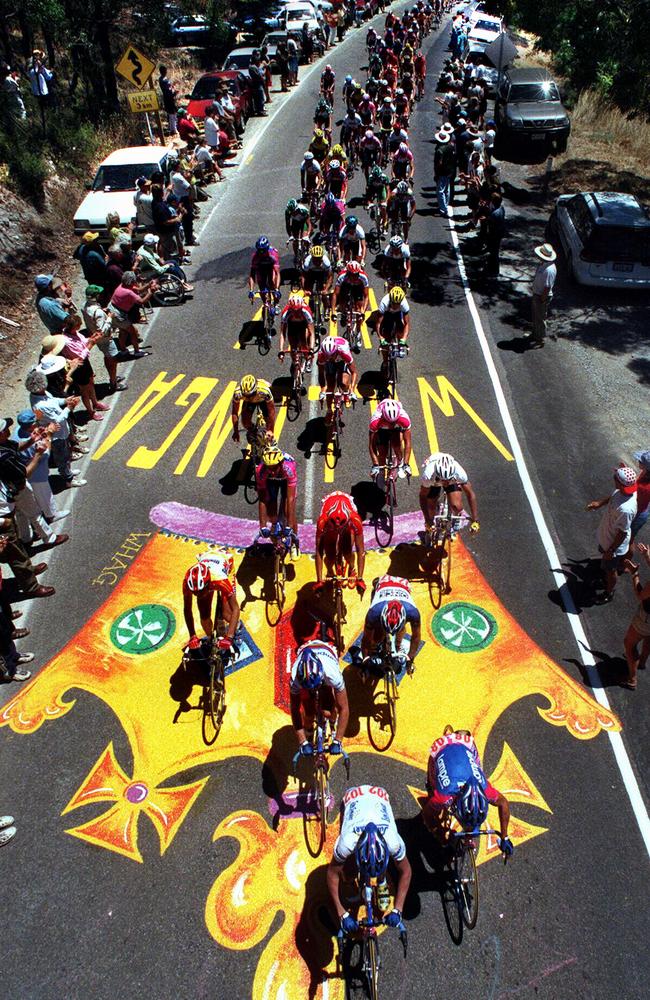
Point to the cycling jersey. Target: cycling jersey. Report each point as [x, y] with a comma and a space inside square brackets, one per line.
[340, 503]
[378, 189]
[289, 476]
[352, 281]
[263, 263]
[362, 805]
[262, 394]
[430, 478]
[329, 660]
[403, 310]
[403, 254]
[454, 760]
[386, 113]
[392, 588]
[352, 235]
[302, 316]
[343, 354]
[220, 567]
[325, 267]
[320, 148]
[299, 217]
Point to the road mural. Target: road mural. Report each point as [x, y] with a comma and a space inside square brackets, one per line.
[475, 656]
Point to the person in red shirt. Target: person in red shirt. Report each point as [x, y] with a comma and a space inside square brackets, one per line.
[211, 574]
[339, 533]
[187, 127]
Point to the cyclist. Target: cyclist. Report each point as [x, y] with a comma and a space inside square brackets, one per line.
[355, 97]
[401, 207]
[338, 153]
[348, 87]
[339, 534]
[351, 287]
[386, 113]
[319, 145]
[250, 394]
[442, 472]
[369, 152]
[391, 610]
[367, 111]
[377, 191]
[327, 82]
[396, 263]
[402, 106]
[336, 370]
[407, 84]
[297, 221]
[296, 329]
[332, 213]
[420, 65]
[396, 137]
[265, 269]
[351, 127]
[352, 240]
[394, 322]
[276, 474]
[323, 117]
[211, 574]
[318, 276]
[336, 180]
[390, 424]
[403, 168]
[316, 668]
[311, 175]
[457, 784]
[368, 841]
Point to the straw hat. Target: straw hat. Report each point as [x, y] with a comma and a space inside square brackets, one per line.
[546, 253]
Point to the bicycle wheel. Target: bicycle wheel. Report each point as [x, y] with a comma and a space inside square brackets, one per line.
[445, 567]
[372, 966]
[391, 382]
[466, 883]
[381, 718]
[294, 405]
[264, 339]
[275, 604]
[339, 617]
[214, 700]
[322, 786]
[250, 486]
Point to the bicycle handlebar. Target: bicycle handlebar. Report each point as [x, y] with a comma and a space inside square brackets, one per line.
[343, 755]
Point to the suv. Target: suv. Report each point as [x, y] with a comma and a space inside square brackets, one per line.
[528, 107]
[605, 237]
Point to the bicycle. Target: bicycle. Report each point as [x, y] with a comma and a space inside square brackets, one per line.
[319, 312]
[321, 795]
[298, 362]
[438, 539]
[384, 521]
[384, 714]
[335, 425]
[301, 247]
[370, 960]
[332, 248]
[312, 199]
[213, 698]
[379, 229]
[337, 583]
[280, 536]
[352, 325]
[396, 351]
[252, 454]
[264, 337]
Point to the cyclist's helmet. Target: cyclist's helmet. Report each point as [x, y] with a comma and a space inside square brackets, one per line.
[309, 673]
[390, 410]
[357, 86]
[371, 853]
[403, 147]
[317, 251]
[396, 295]
[198, 578]
[351, 222]
[328, 69]
[272, 457]
[402, 188]
[393, 617]
[309, 155]
[329, 346]
[375, 173]
[443, 465]
[354, 267]
[292, 205]
[318, 133]
[335, 164]
[396, 242]
[348, 78]
[295, 302]
[471, 805]
[263, 244]
[387, 99]
[248, 385]
[330, 199]
[369, 133]
[400, 92]
[365, 98]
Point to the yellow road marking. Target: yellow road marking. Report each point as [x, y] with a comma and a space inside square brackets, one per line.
[448, 392]
[257, 318]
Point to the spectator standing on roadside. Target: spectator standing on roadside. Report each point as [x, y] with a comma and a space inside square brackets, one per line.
[182, 189]
[642, 458]
[92, 258]
[615, 528]
[639, 628]
[341, 21]
[443, 168]
[292, 49]
[99, 324]
[142, 200]
[495, 227]
[307, 43]
[168, 224]
[11, 669]
[169, 95]
[542, 291]
[256, 74]
[11, 87]
[40, 477]
[40, 78]
[32, 450]
[46, 387]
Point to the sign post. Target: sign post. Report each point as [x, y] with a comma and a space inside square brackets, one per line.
[137, 68]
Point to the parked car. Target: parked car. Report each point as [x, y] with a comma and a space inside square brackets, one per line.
[271, 40]
[529, 109]
[485, 29]
[205, 91]
[113, 187]
[190, 29]
[297, 14]
[239, 58]
[605, 237]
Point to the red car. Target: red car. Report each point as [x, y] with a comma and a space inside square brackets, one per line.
[205, 91]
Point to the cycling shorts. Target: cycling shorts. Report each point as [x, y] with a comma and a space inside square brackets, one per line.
[248, 409]
[333, 369]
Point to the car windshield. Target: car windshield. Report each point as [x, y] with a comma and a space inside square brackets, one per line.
[122, 177]
[525, 93]
[619, 244]
[300, 15]
[486, 26]
[240, 59]
[205, 89]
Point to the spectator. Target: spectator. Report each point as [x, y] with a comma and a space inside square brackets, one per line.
[72, 345]
[211, 127]
[100, 325]
[187, 126]
[639, 628]
[256, 74]
[11, 87]
[7, 829]
[125, 305]
[40, 477]
[204, 163]
[46, 385]
[168, 224]
[282, 64]
[341, 21]
[307, 43]
[615, 529]
[11, 669]
[495, 226]
[143, 200]
[542, 292]
[149, 265]
[234, 126]
[92, 258]
[331, 20]
[169, 94]
[50, 309]
[182, 190]
[292, 50]
[31, 448]
[121, 235]
[40, 78]
[642, 458]
[443, 168]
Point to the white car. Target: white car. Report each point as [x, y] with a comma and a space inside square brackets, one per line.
[114, 186]
[296, 14]
[485, 29]
[239, 58]
[605, 237]
[191, 29]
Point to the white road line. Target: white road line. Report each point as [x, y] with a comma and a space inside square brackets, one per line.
[616, 740]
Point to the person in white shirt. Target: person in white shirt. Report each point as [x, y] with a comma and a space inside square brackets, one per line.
[542, 291]
[615, 529]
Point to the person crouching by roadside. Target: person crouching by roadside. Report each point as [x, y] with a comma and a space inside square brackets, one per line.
[124, 307]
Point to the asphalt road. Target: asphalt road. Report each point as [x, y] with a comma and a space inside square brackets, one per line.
[203, 895]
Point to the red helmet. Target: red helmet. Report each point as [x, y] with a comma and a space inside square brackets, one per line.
[198, 578]
[393, 617]
[336, 509]
[354, 267]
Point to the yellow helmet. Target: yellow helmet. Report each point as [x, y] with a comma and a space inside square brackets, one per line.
[396, 295]
[272, 457]
[248, 385]
[338, 153]
[318, 134]
[317, 250]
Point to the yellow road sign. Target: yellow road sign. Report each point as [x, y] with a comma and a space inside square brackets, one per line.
[145, 100]
[135, 67]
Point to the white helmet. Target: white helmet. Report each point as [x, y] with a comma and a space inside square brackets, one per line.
[390, 410]
[443, 465]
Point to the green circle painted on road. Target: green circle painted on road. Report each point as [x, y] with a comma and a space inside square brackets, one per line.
[464, 628]
[143, 629]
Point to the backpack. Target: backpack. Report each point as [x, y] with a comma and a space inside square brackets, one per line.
[12, 470]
